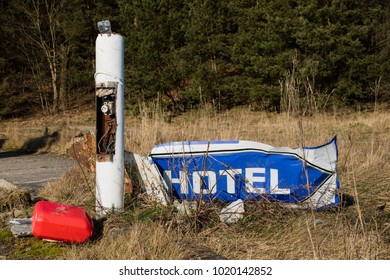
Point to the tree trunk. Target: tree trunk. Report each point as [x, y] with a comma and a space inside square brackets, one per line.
[53, 72]
[64, 54]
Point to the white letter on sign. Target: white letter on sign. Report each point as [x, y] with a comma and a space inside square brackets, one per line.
[197, 176]
[251, 179]
[182, 180]
[274, 184]
[230, 180]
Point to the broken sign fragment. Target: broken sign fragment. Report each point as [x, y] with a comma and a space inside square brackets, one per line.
[21, 227]
[233, 170]
[145, 173]
[232, 212]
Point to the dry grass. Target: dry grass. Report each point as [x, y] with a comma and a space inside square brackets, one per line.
[268, 231]
[141, 241]
[360, 231]
[76, 187]
[44, 134]
[14, 199]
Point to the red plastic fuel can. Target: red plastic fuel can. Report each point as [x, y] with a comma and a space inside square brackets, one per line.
[61, 222]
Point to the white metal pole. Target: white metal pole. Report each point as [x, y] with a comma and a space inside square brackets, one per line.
[109, 79]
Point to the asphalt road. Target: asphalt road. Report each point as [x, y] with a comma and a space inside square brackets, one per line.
[32, 170]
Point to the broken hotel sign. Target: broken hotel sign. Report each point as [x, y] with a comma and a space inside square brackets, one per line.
[226, 170]
[232, 170]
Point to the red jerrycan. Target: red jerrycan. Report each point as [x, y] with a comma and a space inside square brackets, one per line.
[61, 222]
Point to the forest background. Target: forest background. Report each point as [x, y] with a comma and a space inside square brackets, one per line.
[281, 55]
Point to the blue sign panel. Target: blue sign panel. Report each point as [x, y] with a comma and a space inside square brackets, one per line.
[232, 170]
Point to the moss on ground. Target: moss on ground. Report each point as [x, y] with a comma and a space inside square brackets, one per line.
[32, 248]
[5, 234]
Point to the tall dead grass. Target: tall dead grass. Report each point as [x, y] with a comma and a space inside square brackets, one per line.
[268, 231]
